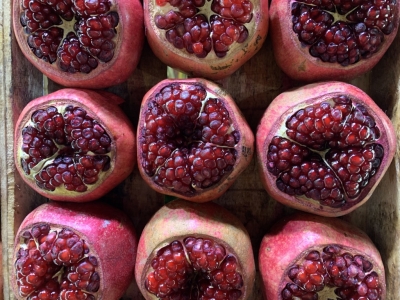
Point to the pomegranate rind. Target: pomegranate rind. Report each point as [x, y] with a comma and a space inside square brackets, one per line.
[112, 119]
[210, 67]
[286, 104]
[129, 44]
[180, 219]
[294, 236]
[245, 147]
[300, 65]
[107, 231]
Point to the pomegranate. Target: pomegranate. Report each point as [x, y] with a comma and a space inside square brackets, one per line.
[209, 39]
[74, 251]
[193, 141]
[331, 40]
[81, 43]
[74, 145]
[323, 148]
[194, 251]
[305, 256]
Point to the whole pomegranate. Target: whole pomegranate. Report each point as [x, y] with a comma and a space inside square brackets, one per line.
[311, 257]
[331, 40]
[194, 251]
[74, 251]
[81, 43]
[193, 142]
[323, 148]
[74, 145]
[209, 39]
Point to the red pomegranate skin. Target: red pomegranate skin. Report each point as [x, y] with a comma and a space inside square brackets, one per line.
[295, 60]
[129, 44]
[210, 67]
[179, 219]
[102, 107]
[107, 231]
[244, 148]
[285, 105]
[295, 235]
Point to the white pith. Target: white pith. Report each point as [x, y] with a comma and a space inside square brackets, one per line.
[61, 190]
[206, 10]
[61, 272]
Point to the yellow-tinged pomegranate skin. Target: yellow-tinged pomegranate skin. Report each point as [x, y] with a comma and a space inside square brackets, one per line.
[285, 105]
[291, 238]
[104, 109]
[129, 44]
[210, 67]
[295, 60]
[180, 219]
[107, 232]
[244, 148]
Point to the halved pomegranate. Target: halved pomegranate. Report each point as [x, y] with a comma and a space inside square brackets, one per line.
[81, 43]
[194, 251]
[210, 39]
[74, 145]
[311, 257]
[74, 251]
[323, 148]
[331, 40]
[193, 141]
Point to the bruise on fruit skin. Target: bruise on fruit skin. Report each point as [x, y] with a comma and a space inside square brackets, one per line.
[302, 66]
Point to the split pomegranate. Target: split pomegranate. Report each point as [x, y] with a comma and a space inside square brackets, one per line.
[311, 257]
[194, 251]
[193, 141]
[74, 251]
[323, 148]
[81, 43]
[331, 40]
[209, 39]
[74, 145]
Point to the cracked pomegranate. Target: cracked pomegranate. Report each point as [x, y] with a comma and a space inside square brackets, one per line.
[331, 40]
[193, 141]
[324, 258]
[191, 251]
[323, 148]
[74, 145]
[210, 39]
[68, 251]
[81, 43]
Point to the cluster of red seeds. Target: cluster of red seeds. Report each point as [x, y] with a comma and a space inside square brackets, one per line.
[188, 29]
[50, 252]
[348, 131]
[72, 135]
[187, 145]
[81, 50]
[344, 42]
[350, 277]
[197, 269]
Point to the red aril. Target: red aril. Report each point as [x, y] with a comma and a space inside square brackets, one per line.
[209, 39]
[74, 145]
[74, 251]
[311, 257]
[323, 148]
[81, 43]
[193, 141]
[331, 40]
[194, 251]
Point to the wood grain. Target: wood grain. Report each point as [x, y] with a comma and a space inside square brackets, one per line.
[253, 87]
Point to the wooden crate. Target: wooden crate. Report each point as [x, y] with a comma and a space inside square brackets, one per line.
[253, 86]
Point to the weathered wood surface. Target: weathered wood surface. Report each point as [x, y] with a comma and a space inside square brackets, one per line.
[253, 86]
